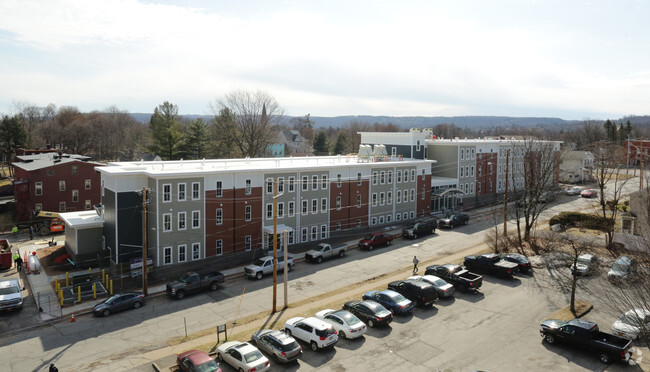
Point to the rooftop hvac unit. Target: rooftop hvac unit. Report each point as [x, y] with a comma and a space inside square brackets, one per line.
[414, 130]
[380, 150]
[365, 151]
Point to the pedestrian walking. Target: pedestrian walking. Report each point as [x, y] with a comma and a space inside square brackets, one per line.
[14, 230]
[15, 257]
[31, 233]
[415, 265]
[53, 368]
[19, 263]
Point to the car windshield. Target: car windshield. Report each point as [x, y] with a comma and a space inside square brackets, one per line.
[324, 332]
[632, 320]
[259, 262]
[112, 299]
[349, 318]
[619, 266]
[583, 260]
[438, 282]
[397, 297]
[8, 290]
[184, 278]
[210, 366]
[253, 356]
[293, 345]
[368, 237]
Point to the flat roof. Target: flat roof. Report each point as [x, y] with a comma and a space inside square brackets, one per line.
[83, 219]
[161, 168]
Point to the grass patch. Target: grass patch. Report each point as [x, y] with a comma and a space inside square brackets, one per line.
[582, 308]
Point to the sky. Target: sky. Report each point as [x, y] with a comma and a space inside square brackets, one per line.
[574, 60]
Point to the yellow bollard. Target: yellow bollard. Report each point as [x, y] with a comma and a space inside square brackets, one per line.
[56, 285]
[103, 278]
[111, 287]
[61, 297]
[89, 270]
[66, 279]
[79, 293]
[95, 291]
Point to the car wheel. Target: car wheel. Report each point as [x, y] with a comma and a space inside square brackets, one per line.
[370, 247]
[465, 222]
[180, 295]
[550, 339]
[241, 370]
[451, 225]
[275, 358]
[220, 357]
[342, 335]
[106, 312]
[319, 259]
[258, 275]
[388, 242]
[341, 253]
[416, 303]
[604, 357]
[415, 235]
[371, 323]
[214, 286]
[137, 304]
[290, 267]
[314, 346]
[287, 331]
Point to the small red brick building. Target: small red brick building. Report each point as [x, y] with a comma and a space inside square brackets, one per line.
[54, 182]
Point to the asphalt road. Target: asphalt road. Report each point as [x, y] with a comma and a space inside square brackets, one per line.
[494, 330]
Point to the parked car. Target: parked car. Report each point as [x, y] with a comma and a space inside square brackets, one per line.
[119, 302]
[371, 241]
[324, 250]
[491, 263]
[393, 301]
[242, 356]
[317, 333]
[11, 295]
[420, 228]
[196, 361]
[576, 190]
[522, 261]
[193, 282]
[370, 312]
[346, 324]
[621, 268]
[279, 345]
[585, 334]
[452, 220]
[589, 193]
[443, 288]
[631, 324]
[264, 266]
[585, 265]
[422, 293]
[462, 279]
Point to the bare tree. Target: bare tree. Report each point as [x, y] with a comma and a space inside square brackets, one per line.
[609, 175]
[256, 115]
[531, 181]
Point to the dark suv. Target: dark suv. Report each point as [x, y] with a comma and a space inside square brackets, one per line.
[420, 292]
[420, 228]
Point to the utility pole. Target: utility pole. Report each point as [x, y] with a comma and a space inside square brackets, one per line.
[641, 174]
[145, 289]
[505, 201]
[275, 243]
[286, 267]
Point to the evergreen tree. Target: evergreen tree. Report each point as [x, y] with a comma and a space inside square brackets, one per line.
[321, 145]
[341, 144]
[166, 135]
[12, 136]
[195, 143]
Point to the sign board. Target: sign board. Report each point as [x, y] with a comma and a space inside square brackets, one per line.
[136, 263]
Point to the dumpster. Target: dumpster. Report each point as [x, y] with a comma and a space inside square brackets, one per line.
[6, 260]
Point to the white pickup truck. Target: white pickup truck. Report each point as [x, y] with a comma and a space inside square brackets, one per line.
[11, 295]
[323, 251]
[264, 266]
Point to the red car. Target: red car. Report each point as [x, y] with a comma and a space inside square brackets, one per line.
[589, 193]
[196, 361]
[374, 240]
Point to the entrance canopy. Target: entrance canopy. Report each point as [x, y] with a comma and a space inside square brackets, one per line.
[281, 228]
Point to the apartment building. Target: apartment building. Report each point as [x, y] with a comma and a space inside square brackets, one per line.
[211, 208]
[469, 172]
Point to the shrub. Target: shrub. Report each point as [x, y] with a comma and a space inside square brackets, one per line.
[582, 220]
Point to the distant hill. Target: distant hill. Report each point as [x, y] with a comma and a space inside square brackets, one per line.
[406, 122]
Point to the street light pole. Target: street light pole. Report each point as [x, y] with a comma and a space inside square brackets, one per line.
[505, 201]
[275, 243]
[145, 288]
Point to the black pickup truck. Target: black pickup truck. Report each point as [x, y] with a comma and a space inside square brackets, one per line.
[585, 334]
[462, 279]
[491, 263]
[192, 281]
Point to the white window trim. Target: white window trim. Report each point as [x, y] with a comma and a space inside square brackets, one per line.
[170, 222]
[248, 243]
[38, 188]
[180, 247]
[216, 245]
[198, 245]
[198, 219]
[167, 196]
[198, 191]
[217, 219]
[249, 213]
[184, 193]
[165, 255]
[178, 216]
